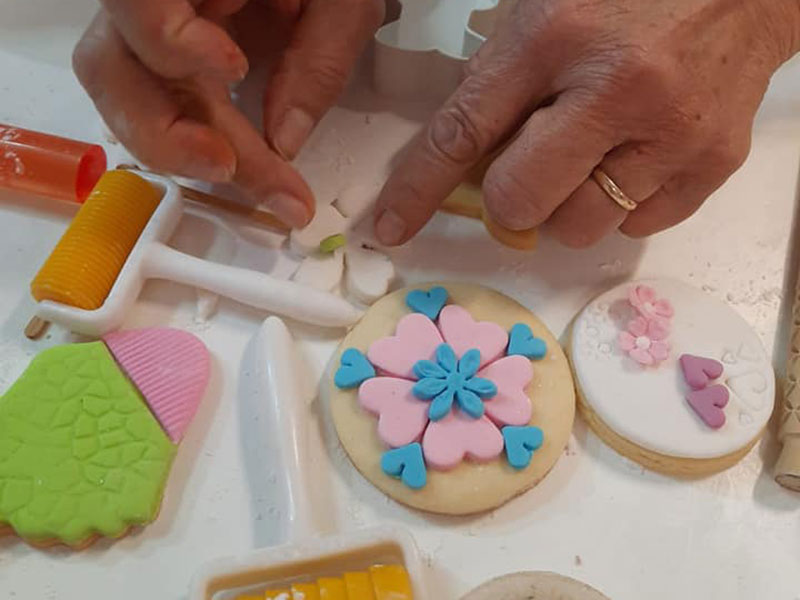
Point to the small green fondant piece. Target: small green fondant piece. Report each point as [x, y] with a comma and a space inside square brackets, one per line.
[97, 466]
[332, 242]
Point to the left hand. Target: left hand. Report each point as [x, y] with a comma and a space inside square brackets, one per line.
[159, 72]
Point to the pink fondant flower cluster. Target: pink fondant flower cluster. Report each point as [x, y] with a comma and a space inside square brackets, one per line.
[405, 418]
[645, 339]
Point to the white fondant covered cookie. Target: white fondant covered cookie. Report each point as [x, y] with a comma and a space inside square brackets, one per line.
[452, 398]
[671, 377]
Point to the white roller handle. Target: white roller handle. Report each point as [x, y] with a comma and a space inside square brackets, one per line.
[250, 287]
[279, 378]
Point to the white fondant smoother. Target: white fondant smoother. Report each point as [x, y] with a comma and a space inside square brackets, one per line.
[647, 405]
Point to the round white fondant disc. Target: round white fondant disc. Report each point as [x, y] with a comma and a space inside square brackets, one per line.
[647, 405]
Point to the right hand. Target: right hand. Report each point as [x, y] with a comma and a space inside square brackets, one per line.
[659, 94]
[158, 72]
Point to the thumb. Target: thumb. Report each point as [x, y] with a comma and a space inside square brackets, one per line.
[327, 41]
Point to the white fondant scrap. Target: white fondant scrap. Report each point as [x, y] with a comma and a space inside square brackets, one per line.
[369, 273]
[327, 222]
[321, 271]
[647, 405]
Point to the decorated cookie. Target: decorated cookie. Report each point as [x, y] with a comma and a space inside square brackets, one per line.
[671, 377]
[452, 398]
[89, 431]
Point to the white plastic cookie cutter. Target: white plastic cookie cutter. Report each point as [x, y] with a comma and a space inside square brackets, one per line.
[422, 55]
[152, 258]
[306, 556]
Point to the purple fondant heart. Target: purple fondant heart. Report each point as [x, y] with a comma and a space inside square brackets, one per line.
[708, 404]
[698, 370]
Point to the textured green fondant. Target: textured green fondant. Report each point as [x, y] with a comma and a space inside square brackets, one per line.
[80, 452]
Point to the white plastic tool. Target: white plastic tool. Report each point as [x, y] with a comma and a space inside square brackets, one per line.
[306, 556]
[421, 56]
[151, 258]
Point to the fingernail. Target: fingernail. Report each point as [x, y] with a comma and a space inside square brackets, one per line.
[292, 132]
[211, 170]
[290, 209]
[390, 228]
[239, 64]
[223, 173]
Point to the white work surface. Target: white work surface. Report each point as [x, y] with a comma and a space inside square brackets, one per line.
[596, 517]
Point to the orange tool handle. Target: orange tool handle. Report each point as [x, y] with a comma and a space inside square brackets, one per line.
[47, 165]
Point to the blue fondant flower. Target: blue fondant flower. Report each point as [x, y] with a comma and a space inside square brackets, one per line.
[450, 379]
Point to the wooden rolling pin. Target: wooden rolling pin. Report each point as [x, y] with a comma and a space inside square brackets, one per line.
[787, 469]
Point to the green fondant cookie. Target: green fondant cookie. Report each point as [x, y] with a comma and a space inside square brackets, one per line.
[81, 454]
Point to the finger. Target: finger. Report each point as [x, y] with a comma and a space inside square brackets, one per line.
[483, 112]
[325, 45]
[682, 195]
[675, 202]
[172, 40]
[589, 214]
[556, 151]
[261, 174]
[143, 114]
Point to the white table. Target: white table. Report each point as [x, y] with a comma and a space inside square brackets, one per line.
[596, 517]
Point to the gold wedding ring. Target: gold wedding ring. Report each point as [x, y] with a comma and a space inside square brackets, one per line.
[613, 190]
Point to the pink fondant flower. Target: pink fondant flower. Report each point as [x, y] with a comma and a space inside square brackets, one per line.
[643, 299]
[405, 418]
[645, 341]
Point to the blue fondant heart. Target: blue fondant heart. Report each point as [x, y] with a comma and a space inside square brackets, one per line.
[521, 443]
[353, 370]
[524, 343]
[407, 464]
[428, 303]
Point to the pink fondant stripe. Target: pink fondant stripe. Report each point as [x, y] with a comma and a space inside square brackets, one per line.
[169, 367]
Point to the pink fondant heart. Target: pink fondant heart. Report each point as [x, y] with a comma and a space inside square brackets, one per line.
[169, 367]
[401, 416]
[463, 333]
[416, 338]
[447, 442]
[698, 370]
[511, 405]
[708, 404]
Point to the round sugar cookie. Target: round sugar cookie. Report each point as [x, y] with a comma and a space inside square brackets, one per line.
[671, 377]
[452, 458]
[540, 585]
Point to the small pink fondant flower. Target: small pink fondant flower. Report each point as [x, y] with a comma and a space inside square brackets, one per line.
[643, 299]
[645, 341]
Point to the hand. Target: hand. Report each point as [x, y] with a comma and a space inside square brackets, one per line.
[660, 94]
[159, 70]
